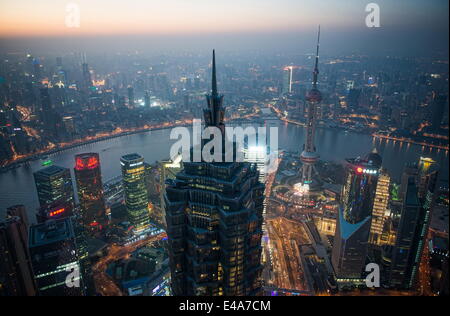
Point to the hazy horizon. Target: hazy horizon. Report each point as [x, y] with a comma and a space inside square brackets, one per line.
[408, 27]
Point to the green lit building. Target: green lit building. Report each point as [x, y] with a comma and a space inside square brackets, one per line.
[55, 192]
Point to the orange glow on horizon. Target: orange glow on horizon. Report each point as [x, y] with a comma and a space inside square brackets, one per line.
[147, 17]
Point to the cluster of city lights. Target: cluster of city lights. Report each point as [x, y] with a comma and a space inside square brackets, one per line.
[301, 188]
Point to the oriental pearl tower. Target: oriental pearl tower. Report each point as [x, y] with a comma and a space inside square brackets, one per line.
[310, 177]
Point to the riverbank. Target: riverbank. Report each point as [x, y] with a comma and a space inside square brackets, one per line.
[81, 142]
[78, 143]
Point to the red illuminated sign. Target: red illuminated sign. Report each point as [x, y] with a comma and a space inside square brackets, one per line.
[57, 212]
[359, 170]
[96, 225]
[90, 163]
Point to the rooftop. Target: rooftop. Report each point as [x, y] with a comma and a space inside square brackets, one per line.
[131, 157]
[50, 171]
[51, 232]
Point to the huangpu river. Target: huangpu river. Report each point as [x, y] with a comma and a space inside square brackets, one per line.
[17, 185]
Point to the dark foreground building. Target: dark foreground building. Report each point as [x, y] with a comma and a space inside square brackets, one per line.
[214, 222]
[413, 228]
[55, 258]
[16, 275]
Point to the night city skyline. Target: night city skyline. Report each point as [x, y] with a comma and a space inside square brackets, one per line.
[252, 148]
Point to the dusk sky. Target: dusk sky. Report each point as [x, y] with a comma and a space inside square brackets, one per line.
[251, 23]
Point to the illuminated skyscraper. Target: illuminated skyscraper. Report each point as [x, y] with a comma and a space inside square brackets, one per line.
[259, 156]
[380, 206]
[135, 189]
[309, 156]
[16, 274]
[214, 222]
[55, 192]
[287, 80]
[90, 190]
[353, 224]
[168, 170]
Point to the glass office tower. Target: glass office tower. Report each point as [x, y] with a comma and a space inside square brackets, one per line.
[55, 192]
[135, 189]
[354, 218]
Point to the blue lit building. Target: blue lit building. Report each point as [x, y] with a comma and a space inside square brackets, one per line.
[350, 245]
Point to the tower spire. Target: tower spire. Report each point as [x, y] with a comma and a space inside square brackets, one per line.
[316, 66]
[214, 114]
[214, 78]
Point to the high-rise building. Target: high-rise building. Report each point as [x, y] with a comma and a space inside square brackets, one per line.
[135, 189]
[214, 221]
[426, 169]
[410, 170]
[87, 79]
[146, 99]
[55, 260]
[380, 206]
[287, 80]
[354, 218]
[49, 118]
[90, 190]
[16, 274]
[55, 192]
[131, 97]
[168, 170]
[438, 108]
[412, 232]
[421, 171]
[310, 178]
[257, 154]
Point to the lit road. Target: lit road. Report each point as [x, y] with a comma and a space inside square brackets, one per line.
[285, 238]
[424, 273]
